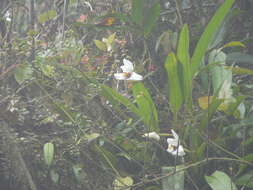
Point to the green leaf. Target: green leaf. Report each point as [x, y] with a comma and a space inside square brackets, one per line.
[246, 180]
[175, 92]
[248, 158]
[219, 72]
[109, 158]
[23, 72]
[207, 36]
[239, 57]
[233, 44]
[174, 181]
[242, 71]
[48, 153]
[220, 181]
[151, 18]
[100, 45]
[138, 11]
[123, 183]
[147, 108]
[46, 16]
[237, 108]
[113, 96]
[152, 187]
[184, 58]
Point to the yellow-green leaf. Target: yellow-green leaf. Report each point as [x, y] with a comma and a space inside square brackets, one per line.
[204, 101]
[241, 71]
[233, 44]
[100, 45]
[175, 92]
[123, 183]
[48, 153]
[184, 58]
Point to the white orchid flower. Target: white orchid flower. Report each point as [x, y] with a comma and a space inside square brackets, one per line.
[174, 146]
[128, 72]
[152, 135]
[7, 16]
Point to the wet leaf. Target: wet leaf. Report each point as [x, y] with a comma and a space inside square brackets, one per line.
[48, 153]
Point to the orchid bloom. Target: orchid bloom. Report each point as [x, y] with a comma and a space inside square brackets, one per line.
[128, 73]
[174, 146]
[152, 135]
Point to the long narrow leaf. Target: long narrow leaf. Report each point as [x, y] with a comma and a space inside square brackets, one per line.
[175, 92]
[151, 18]
[208, 35]
[146, 106]
[184, 58]
[138, 11]
[113, 95]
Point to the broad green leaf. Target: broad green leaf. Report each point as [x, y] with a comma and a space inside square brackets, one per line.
[147, 108]
[207, 36]
[151, 18]
[233, 44]
[123, 183]
[100, 45]
[48, 151]
[220, 181]
[46, 16]
[174, 181]
[23, 72]
[246, 180]
[175, 92]
[184, 58]
[219, 72]
[138, 11]
[239, 57]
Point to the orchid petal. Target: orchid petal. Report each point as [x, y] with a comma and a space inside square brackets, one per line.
[128, 66]
[172, 142]
[175, 135]
[181, 151]
[152, 135]
[120, 76]
[136, 77]
[176, 152]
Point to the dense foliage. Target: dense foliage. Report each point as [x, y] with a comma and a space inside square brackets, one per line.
[140, 94]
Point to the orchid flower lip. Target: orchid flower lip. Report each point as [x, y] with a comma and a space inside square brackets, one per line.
[174, 146]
